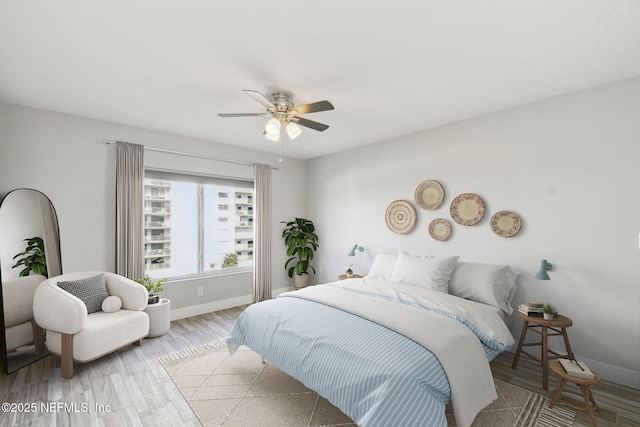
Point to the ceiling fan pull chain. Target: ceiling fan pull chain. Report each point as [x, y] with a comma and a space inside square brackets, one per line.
[281, 142]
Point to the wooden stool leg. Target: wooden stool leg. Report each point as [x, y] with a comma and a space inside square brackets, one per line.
[566, 341]
[545, 358]
[595, 405]
[586, 394]
[525, 326]
[557, 392]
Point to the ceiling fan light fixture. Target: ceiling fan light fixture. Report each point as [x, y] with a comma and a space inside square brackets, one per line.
[272, 137]
[293, 130]
[273, 128]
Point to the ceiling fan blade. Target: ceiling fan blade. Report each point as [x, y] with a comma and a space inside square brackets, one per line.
[260, 98]
[313, 108]
[244, 115]
[310, 124]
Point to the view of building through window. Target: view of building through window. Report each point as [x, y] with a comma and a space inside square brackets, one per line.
[198, 227]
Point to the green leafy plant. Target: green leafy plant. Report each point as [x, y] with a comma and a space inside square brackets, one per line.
[549, 309]
[230, 260]
[302, 242]
[33, 258]
[153, 286]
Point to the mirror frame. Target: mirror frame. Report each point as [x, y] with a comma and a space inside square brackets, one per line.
[7, 367]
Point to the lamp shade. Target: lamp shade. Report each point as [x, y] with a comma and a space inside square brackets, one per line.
[273, 127]
[542, 273]
[275, 137]
[355, 248]
[293, 130]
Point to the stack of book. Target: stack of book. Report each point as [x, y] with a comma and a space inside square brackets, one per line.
[533, 309]
[576, 369]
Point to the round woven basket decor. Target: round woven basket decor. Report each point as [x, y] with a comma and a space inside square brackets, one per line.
[400, 216]
[467, 209]
[440, 229]
[505, 223]
[429, 195]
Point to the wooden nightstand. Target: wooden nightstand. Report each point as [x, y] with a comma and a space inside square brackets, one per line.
[344, 276]
[558, 326]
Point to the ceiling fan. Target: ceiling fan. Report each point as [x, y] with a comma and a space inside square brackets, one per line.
[283, 112]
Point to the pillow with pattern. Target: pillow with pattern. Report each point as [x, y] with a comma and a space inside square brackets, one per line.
[92, 291]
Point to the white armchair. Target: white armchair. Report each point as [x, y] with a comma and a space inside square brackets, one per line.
[77, 336]
[20, 329]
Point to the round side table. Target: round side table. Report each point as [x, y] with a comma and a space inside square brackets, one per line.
[159, 317]
[354, 276]
[585, 390]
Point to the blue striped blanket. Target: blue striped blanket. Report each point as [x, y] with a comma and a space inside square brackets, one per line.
[374, 374]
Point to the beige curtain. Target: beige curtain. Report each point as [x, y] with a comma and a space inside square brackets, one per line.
[262, 234]
[129, 206]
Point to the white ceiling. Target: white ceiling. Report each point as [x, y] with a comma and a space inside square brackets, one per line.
[389, 68]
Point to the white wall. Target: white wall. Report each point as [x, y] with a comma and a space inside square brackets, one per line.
[568, 166]
[62, 156]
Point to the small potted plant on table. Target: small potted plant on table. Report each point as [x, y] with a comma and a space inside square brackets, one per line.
[549, 311]
[154, 287]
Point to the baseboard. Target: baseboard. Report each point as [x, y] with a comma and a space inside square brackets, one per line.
[196, 310]
[616, 374]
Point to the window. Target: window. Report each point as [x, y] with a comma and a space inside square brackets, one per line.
[194, 225]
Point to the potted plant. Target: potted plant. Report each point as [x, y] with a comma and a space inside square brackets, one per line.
[33, 258]
[548, 311]
[350, 271]
[302, 242]
[154, 287]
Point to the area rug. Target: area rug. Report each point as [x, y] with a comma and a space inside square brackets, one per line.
[241, 390]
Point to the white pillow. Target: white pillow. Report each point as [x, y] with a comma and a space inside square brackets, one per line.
[383, 266]
[111, 304]
[427, 272]
[486, 283]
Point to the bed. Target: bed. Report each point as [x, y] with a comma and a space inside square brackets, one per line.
[392, 348]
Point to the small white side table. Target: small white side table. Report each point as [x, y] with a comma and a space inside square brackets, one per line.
[159, 317]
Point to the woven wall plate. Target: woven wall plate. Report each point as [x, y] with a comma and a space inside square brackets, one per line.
[400, 216]
[440, 229]
[429, 195]
[505, 223]
[467, 209]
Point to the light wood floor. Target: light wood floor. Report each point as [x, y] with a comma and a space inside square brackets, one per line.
[130, 388]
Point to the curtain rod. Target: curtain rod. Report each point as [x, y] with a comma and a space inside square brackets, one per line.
[184, 153]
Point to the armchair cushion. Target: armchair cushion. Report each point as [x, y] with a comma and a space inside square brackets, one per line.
[104, 333]
[91, 291]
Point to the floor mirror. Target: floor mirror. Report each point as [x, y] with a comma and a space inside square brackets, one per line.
[29, 253]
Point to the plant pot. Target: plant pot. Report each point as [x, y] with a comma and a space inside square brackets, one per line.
[547, 316]
[300, 281]
[153, 299]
